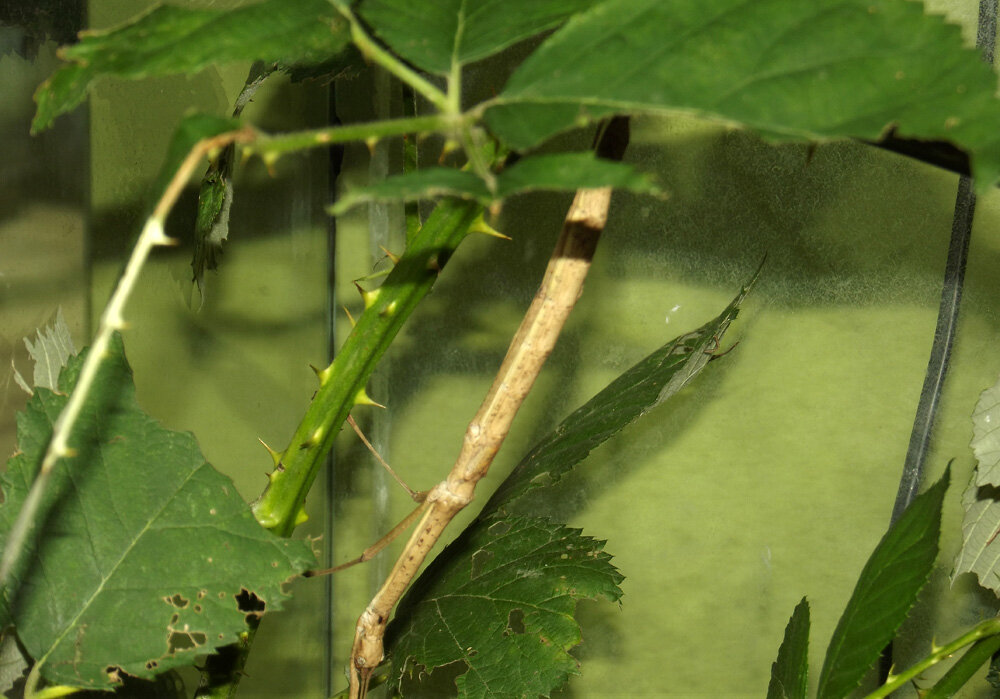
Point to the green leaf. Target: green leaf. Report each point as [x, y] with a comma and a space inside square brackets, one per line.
[647, 384]
[986, 436]
[500, 599]
[193, 128]
[419, 184]
[810, 70]
[887, 588]
[139, 534]
[570, 171]
[790, 672]
[553, 172]
[170, 40]
[50, 353]
[434, 35]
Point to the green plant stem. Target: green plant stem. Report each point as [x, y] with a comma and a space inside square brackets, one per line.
[112, 319]
[271, 147]
[280, 506]
[986, 629]
[342, 384]
[372, 51]
[962, 671]
[31, 690]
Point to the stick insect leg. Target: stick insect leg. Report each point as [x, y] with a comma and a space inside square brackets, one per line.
[416, 495]
[373, 550]
[714, 351]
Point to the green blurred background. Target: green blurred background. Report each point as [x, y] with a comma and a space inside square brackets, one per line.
[771, 477]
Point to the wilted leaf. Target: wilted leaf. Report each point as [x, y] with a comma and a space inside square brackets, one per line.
[790, 672]
[437, 34]
[650, 382]
[809, 70]
[887, 588]
[49, 352]
[146, 555]
[553, 172]
[170, 40]
[500, 599]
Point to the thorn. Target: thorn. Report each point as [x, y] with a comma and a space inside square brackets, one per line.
[269, 160]
[393, 258]
[480, 226]
[450, 146]
[369, 297]
[350, 317]
[362, 398]
[371, 142]
[115, 321]
[389, 309]
[275, 456]
[433, 264]
[322, 374]
[301, 517]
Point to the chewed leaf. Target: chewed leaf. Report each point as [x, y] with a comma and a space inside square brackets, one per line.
[647, 384]
[553, 172]
[500, 599]
[986, 436]
[171, 40]
[145, 535]
[790, 70]
[433, 35]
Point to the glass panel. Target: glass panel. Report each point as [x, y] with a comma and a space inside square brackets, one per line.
[769, 478]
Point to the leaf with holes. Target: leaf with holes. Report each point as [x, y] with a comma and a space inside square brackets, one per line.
[790, 70]
[138, 533]
[440, 35]
[500, 600]
[171, 40]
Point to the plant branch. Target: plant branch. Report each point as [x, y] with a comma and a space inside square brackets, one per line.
[372, 51]
[111, 320]
[990, 627]
[271, 147]
[531, 346]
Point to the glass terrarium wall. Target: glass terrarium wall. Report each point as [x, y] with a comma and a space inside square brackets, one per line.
[771, 477]
[230, 364]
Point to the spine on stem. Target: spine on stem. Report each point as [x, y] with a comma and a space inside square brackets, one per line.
[342, 384]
